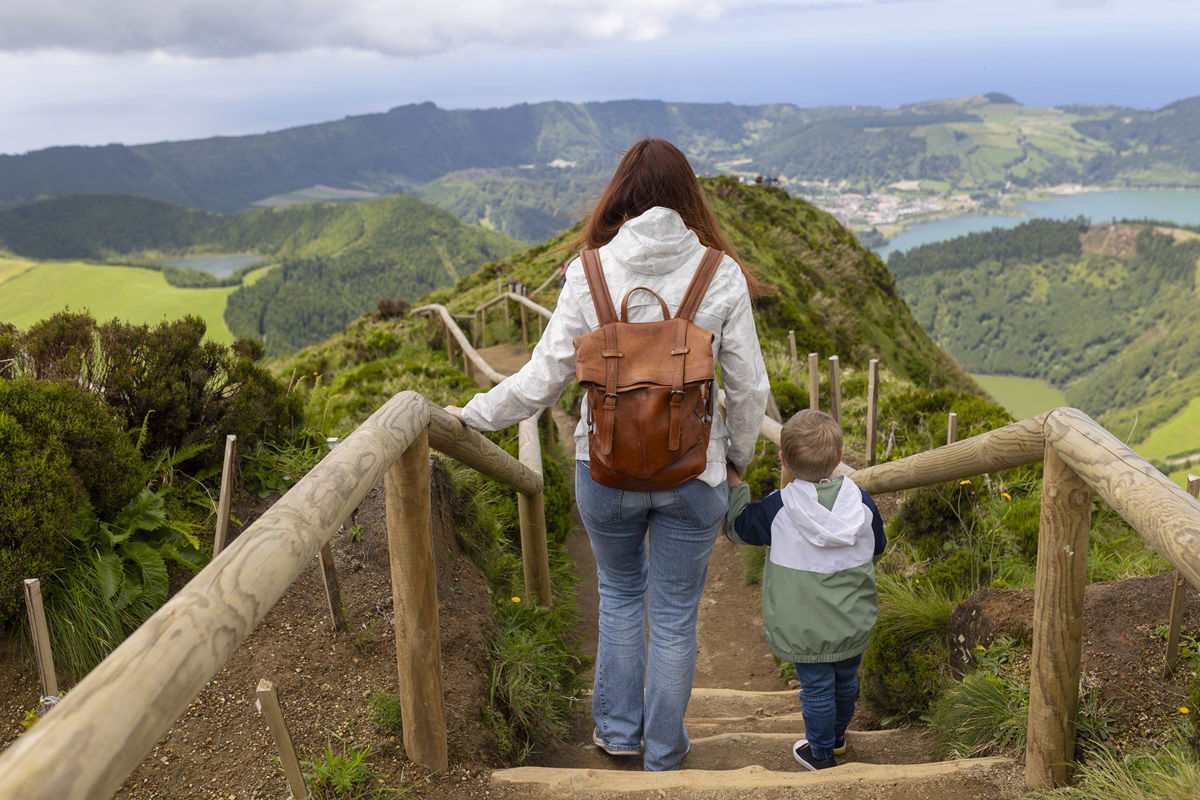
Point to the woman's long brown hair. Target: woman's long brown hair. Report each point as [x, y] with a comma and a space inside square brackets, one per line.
[655, 172]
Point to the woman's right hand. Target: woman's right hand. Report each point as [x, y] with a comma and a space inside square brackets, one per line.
[455, 412]
[732, 476]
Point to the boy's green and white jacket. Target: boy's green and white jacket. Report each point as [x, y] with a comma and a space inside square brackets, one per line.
[823, 539]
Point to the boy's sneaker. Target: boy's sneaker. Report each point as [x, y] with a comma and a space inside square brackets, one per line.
[596, 740]
[839, 746]
[802, 751]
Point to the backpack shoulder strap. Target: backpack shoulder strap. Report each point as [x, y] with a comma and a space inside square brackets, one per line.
[606, 312]
[699, 285]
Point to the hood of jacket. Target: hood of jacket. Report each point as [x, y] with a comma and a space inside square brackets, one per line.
[654, 242]
[826, 528]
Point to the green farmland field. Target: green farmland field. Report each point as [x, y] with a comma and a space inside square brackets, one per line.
[33, 290]
[1024, 397]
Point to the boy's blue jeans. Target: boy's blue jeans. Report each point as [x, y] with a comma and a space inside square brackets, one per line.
[638, 697]
[828, 693]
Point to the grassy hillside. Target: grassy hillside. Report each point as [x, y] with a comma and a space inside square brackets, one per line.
[334, 261]
[33, 290]
[1106, 312]
[494, 166]
[838, 297]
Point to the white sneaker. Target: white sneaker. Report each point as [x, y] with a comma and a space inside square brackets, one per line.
[596, 740]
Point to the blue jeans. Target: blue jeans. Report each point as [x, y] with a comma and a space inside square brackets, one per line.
[828, 693]
[639, 697]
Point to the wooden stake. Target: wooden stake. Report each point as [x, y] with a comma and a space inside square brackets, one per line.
[41, 637]
[531, 509]
[226, 497]
[267, 702]
[835, 389]
[1057, 623]
[1175, 626]
[814, 382]
[415, 602]
[333, 591]
[872, 408]
[795, 358]
[525, 325]
[891, 443]
[952, 428]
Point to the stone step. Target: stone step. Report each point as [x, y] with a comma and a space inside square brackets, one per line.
[852, 777]
[772, 751]
[754, 723]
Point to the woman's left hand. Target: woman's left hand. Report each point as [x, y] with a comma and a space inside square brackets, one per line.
[455, 412]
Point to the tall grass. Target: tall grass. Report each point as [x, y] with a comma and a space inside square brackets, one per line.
[1167, 773]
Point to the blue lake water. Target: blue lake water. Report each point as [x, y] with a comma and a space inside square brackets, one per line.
[1182, 208]
[217, 266]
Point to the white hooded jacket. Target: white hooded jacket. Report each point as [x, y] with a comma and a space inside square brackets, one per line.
[658, 251]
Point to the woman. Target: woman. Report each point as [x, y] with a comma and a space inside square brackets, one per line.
[651, 227]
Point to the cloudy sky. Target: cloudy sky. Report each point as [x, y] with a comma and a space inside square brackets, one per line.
[100, 71]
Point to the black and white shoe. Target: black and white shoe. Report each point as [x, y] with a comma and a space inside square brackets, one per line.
[599, 742]
[802, 751]
[839, 746]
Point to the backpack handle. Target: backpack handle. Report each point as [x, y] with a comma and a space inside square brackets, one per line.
[625, 303]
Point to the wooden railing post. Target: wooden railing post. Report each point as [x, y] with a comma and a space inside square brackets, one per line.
[952, 428]
[1178, 594]
[415, 603]
[794, 357]
[524, 324]
[1057, 623]
[41, 637]
[814, 381]
[531, 508]
[226, 497]
[835, 389]
[872, 409]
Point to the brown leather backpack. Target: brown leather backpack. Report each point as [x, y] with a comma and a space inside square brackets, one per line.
[650, 386]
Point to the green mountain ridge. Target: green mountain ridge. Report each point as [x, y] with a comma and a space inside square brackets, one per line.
[1108, 313]
[492, 166]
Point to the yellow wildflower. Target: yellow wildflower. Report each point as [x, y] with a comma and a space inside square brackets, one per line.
[964, 483]
[1006, 495]
[516, 599]
[1183, 709]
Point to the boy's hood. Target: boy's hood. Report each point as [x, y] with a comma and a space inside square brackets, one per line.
[840, 526]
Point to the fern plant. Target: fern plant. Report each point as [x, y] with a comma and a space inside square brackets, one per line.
[130, 554]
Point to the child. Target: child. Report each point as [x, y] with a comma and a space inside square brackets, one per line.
[819, 604]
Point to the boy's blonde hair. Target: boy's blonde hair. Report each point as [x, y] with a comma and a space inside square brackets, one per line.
[811, 442]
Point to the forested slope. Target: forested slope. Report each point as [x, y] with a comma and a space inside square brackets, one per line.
[1106, 312]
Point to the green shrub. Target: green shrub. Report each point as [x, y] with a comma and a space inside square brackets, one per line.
[790, 397]
[40, 500]
[64, 453]
[980, 715]
[934, 519]
[168, 381]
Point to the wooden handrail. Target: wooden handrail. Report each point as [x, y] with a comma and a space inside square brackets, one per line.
[532, 306]
[105, 725]
[1003, 448]
[451, 326]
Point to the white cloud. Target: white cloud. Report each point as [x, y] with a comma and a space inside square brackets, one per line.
[231, 28]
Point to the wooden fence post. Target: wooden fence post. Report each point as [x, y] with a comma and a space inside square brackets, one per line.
[872, 409]
[415, 603]
[952, 428]
[835, 389]
[41, 637]
[524, 324]
[531, 509]
[794, 357]
[1057, 623]
[1178, 590]
[267, 701]
[333, 590]
[814, 382]
[226, 497]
